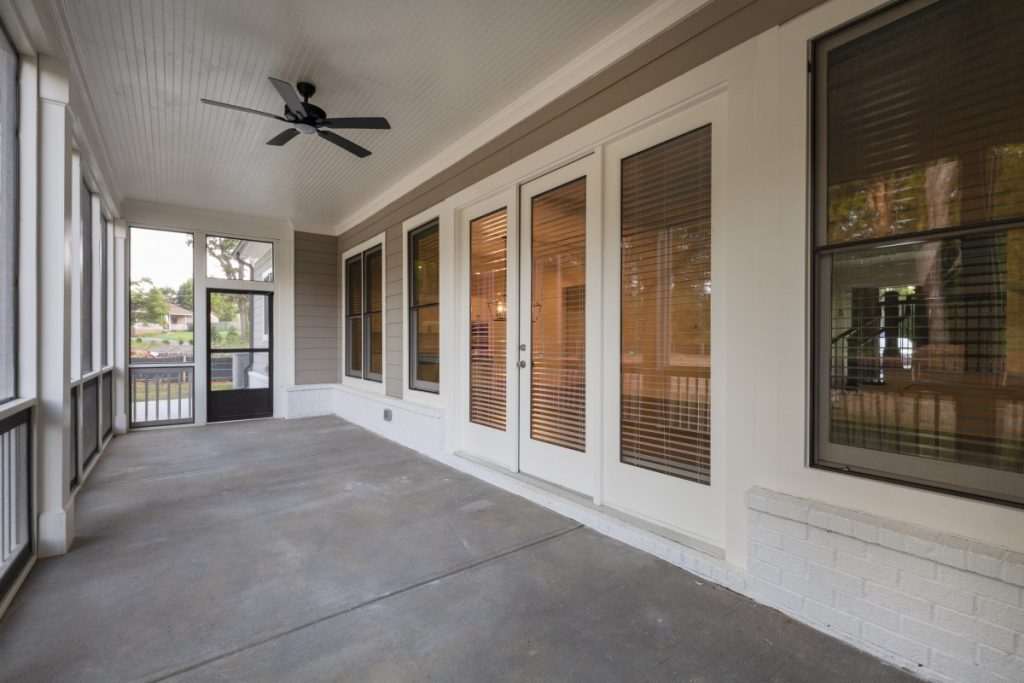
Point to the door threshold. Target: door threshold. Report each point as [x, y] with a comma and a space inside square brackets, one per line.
[579, 507]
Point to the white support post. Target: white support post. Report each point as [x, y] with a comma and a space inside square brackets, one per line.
[56, 518]
[120, 335]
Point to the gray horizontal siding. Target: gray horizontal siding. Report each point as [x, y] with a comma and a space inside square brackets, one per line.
[316, 308]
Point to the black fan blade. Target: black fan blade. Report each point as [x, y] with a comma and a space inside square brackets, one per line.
[291, 98]
[237, 108]
[282, 137]
[344, 143]
[366, 122]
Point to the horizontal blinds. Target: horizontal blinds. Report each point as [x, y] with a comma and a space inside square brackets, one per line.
[426, 245]
[666, 308]
[927, 355]
[923, 122]
[488, 296]
[558, 328]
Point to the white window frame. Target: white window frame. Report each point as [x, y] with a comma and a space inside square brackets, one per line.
[366, 385]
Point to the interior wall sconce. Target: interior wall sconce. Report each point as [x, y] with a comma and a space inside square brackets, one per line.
[498, 309]
[535, 312]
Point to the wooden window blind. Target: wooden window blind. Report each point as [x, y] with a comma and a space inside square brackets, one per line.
[920, 133]
[666, 308]
[488, 310]
[924, 122]
[558, 316]
[354, 316]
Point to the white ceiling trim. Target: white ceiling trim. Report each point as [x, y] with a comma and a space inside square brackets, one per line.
[645, 26]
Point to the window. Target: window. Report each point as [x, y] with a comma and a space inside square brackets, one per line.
[105, 293]
[87, 293]
[666, 308]
[364, 315]
[424, 308]
[233, 259]
[8, 218]
[919, 247]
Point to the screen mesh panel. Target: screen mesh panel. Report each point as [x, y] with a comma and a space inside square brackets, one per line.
[924, 120]
[87, 297]
[558, 316]
[488, 313]
[666, 308]
[8, 217]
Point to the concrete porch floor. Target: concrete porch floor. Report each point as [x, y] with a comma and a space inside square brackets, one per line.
[315, 550]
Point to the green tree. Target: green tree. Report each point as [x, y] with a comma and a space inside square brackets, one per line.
[185, 295]
[147, 302]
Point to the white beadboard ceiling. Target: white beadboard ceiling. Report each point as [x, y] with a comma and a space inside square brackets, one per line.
[436, 69]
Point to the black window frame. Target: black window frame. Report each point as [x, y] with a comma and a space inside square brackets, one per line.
[364, 315]
[416, 384]
[954, 478]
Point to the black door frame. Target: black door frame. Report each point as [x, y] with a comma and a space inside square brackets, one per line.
[239, 404]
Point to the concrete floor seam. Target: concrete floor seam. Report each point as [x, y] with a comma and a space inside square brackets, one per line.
[212, 470]
[168, 675]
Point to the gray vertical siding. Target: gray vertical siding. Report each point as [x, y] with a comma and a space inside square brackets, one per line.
[316, 308]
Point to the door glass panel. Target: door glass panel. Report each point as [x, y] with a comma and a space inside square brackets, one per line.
[666, 308]
[239, 370]
[488, 313]
[239, 320]
[233, 259]
[558, 318]
[354, 316]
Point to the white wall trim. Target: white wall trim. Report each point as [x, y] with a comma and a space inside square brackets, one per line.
[641, 29]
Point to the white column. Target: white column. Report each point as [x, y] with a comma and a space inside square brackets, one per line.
[56, 518]
[120, 293]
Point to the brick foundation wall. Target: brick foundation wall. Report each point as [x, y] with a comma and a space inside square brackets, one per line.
[943, 606]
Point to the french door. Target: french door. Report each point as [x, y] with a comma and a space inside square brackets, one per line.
[531, 338]
[239, 355]
[559, 326]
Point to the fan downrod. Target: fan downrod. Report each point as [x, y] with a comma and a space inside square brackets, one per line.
[306, 90]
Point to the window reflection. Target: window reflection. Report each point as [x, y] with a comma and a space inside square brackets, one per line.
[927, 353]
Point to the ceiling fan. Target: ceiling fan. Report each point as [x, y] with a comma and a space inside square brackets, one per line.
[308, 118]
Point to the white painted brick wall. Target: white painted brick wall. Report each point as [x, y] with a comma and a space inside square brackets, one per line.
[947, 608]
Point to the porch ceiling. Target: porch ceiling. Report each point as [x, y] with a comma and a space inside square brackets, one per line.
[435, 69]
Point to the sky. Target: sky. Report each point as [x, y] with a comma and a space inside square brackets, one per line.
[163, 256]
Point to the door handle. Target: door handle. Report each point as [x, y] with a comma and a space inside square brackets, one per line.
[521, 364]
